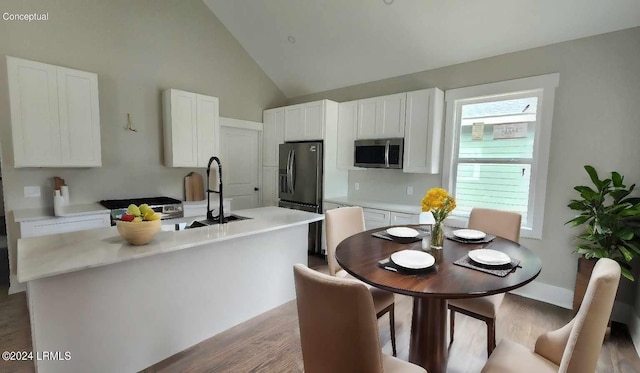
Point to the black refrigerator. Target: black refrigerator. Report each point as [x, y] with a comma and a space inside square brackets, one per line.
[300, 183]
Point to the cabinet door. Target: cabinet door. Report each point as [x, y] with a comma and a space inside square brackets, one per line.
[79, 118]
[63, 225]
[392, 112]
[272, 135]
[294, 123]
[367, 118]
[374, 218]
[181, 140]
[347, 128]
[399, 218]
[423, 131]
[270, 186]
[35, 127]
[208, 128]
[314, 121]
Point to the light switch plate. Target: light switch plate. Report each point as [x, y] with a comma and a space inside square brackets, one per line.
[31, 191]
[356, 186]
[409, 190]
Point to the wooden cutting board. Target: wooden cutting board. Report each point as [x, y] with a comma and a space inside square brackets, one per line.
[193, 187]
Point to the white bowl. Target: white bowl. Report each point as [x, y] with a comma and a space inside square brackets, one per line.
[402, 232]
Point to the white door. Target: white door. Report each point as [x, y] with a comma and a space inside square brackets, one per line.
[239, 156]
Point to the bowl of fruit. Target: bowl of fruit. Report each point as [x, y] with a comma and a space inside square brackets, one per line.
[139, 225]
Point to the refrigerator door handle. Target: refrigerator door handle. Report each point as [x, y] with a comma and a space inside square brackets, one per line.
[293, 171]
[289, 173]
[386, 153]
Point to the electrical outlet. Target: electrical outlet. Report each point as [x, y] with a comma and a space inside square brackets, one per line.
[31, 191]
[409, 190]
[356, 186]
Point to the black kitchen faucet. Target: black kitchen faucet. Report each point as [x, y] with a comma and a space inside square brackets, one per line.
[210, 216]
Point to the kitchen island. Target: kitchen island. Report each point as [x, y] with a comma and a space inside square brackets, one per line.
[115, 307]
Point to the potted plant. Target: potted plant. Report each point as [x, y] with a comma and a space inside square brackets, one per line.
[612, 222]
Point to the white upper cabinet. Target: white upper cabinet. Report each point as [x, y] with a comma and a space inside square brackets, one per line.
[272, 136]
[304, 121]
[423, 131]
[55, 115]
[191, 128]
[381, 117]
[347, 127]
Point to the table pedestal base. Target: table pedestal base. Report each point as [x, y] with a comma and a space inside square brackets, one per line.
[428, 344]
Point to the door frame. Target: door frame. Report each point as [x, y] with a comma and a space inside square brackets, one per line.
[252, 126]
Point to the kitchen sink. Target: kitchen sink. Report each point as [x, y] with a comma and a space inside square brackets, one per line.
[228, 219]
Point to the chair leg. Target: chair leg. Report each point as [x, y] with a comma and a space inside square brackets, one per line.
[392, 326]
[452, 322]
[491, 336]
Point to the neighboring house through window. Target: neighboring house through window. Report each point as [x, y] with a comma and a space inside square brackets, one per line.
[497, 141]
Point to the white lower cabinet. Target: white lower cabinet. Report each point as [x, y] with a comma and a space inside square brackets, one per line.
[374, 218]
[399, 218]
[63, 225]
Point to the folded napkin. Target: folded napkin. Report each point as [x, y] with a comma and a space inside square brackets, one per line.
[500, 271]
[488, 238]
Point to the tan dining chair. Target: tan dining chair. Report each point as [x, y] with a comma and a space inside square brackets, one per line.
[344, 222]
[504, 224]
[575, 347]
[338, 327]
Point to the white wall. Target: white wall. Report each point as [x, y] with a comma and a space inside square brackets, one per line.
[138, 49]
[596, 121]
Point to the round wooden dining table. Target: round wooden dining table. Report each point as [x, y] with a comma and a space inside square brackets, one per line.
[360, 254]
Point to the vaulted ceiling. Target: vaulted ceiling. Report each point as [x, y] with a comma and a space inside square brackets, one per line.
[310, 46]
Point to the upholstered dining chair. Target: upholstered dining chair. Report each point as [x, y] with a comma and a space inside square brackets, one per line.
[499, 223]
[575, 347]
[338, 327]
[344, 222]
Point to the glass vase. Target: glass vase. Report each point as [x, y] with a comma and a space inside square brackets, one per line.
[437, 236]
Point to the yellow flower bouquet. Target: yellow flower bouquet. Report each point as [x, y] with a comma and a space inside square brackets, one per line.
[440, 203]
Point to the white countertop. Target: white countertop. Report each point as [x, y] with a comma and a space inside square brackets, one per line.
[407, 209]
[40, 257]
[42, 213]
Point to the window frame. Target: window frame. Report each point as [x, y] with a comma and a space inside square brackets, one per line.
[543, 86]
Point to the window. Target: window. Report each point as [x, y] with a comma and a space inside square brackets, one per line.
[497, 143]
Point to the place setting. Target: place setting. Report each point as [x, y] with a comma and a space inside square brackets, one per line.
[409, 262]
[469, 236]
[401, 235]
[489, 261]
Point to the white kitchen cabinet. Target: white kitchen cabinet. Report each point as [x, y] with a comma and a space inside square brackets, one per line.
[270, 186]
[374, 218]
[347, 129]
[57, 225]
[55, 115]
[191, 128]
[423, 131]
[304, 121]
[381, 117]
[272, 136]
[399, 218]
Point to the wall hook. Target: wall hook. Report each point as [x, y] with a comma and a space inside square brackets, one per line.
[129, 127]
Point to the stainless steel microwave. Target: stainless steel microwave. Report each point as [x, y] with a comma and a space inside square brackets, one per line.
[378, 153]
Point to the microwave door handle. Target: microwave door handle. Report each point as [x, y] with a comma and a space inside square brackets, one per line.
[386, 153]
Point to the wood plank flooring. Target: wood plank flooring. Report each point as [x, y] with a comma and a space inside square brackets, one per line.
[271, 343]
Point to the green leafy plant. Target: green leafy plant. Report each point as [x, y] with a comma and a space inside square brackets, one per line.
[612, 220]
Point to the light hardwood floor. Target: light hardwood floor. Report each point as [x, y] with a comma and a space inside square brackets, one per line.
[270, 342]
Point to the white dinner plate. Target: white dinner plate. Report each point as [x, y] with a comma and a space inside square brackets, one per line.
[402, 232]
[469, 234]
[489, 257]
[413, 259]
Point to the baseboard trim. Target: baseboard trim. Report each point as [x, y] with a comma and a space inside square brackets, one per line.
[555, 295]
[15, 286]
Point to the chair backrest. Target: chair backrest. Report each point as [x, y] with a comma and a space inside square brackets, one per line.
[504, 224]
[338, 327]
[576, 346]
[339, 224]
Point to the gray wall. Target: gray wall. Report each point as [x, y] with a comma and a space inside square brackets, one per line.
[138, 49]
[596, 121]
